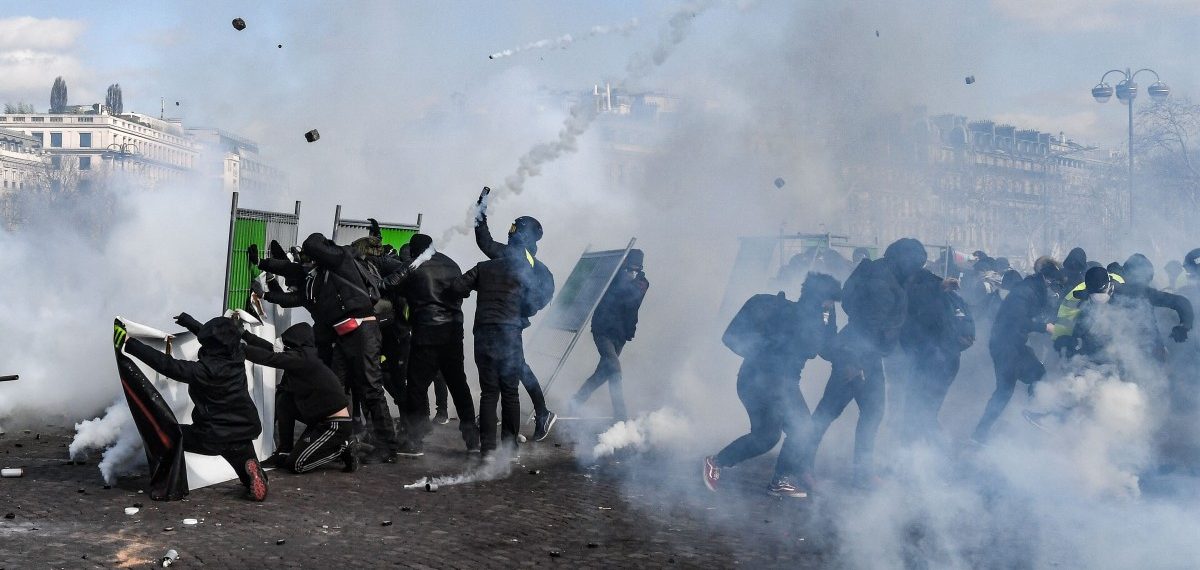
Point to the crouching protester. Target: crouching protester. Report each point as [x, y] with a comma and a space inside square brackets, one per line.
[310, 392]
[224, 420]
[776, 337]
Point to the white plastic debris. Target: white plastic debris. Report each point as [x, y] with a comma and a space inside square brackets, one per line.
[12, 472]
[131, 510]
[169, 558]
[190, 521]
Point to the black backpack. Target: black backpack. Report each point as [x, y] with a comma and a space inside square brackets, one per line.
[962, 324]
[753, 326]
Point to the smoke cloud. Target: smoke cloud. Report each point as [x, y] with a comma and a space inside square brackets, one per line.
[663, 427]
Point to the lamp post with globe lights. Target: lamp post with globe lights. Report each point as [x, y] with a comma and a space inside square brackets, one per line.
[1126, 91]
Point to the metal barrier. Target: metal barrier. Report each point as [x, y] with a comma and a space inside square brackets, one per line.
[257, 227]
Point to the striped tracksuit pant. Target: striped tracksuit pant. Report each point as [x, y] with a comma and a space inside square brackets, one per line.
[321, 443]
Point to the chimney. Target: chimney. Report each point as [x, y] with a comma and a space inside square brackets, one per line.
[608, 96]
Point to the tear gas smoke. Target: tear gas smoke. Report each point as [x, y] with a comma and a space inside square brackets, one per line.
[583, 114]
[498, 468]
[565, 40]
[663, 427]
[116, 434]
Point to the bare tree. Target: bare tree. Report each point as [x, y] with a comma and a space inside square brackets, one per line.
[58, 96]
[113, 99]
[21, 108]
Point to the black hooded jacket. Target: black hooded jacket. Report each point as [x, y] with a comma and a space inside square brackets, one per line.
[513, 285]
[435, 313]
[617, 314]
[337, 291]
[312, 385]
[933, 322]
[1025, 310]
[224, 411]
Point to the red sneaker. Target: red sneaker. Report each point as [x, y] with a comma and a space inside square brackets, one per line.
[257, 487]
[712, 473]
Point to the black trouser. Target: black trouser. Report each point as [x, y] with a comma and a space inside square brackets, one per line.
[857, 375]
[931, 371]
[286, 415]
[429, 361]
[775, 405]
[235, 453]
[394, 346]
[1011, 364]
[533, 388]
[321, 443]
[609, 370]
[500, 356]
[356, 363]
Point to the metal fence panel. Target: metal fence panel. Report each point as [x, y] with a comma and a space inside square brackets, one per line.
[256, 227]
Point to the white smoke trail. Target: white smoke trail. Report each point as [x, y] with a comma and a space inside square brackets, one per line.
[662, 427]
[565, 40]
[499, 468]
[584, 113]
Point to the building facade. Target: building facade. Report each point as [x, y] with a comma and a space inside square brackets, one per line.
[23, 166]
[233, 162]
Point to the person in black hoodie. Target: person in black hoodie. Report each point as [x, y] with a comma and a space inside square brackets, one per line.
[523, 236]
[340, 301]
[1027, 309]
[511, 288]
[876, 306]
[224, 419]
[310, 392]
[937, 329]
[776, 337]
[614, 324]
[1074, 266]
[437, 339]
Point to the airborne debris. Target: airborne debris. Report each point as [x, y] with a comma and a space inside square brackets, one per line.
[970, 79]
[312, 136]
[239, 24]
[876, 33]
[280, 46]
[779, 182]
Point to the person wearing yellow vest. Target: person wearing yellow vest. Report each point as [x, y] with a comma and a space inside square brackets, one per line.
[1068, 313]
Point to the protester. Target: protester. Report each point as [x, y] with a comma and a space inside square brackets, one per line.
[776, 337]
[224, 418]
[613, 324]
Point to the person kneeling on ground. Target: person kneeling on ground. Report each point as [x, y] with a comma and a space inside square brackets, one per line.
[310, 392]
[224, 420]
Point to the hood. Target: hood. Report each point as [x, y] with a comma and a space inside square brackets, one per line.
[1138, 270]
[299, 335]
[908, 255]
[220, 338]
[1076, 261]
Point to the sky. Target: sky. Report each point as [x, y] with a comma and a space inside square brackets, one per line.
[1034, 62]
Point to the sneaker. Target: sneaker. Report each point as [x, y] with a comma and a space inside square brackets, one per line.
[471, 438]
[712, 473]
[350, 458]
[441, 418]
[411, 449]
[379, 455]
[786, 487]
[544, 423]
[256, 487]
[275, 461]
[1035, 419]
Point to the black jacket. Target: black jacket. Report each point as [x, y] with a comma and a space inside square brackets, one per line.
[510, 290]
[1025, 310]
[933, 322]
[875, 302]
[224, 411]
[435, 313]
[314, 388]
[337, 291]
[617, 314]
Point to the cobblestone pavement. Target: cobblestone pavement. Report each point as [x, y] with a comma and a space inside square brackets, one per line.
[641, 511]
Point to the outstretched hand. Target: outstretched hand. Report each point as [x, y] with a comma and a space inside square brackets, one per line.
[252, 254]
[187, 321]
[277, 251]
[375, 231]
[1179, 333]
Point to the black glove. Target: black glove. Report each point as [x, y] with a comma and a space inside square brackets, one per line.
[257, 288]
[375, 231]
[1065, 342]
[277, 251]
[252, 254]
[1179, 333]
[273, 286]
[187, 321]
[120, 335]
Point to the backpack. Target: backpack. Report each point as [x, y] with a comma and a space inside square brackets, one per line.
[753, 327]
[962, 324]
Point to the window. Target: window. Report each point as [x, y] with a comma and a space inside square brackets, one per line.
[85, 140]
[85, 163]
[56, 119]
[37, 119]
[56, 140]
[56, 161]
[38, 136]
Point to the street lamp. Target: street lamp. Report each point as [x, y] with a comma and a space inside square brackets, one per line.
[1127, 91]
